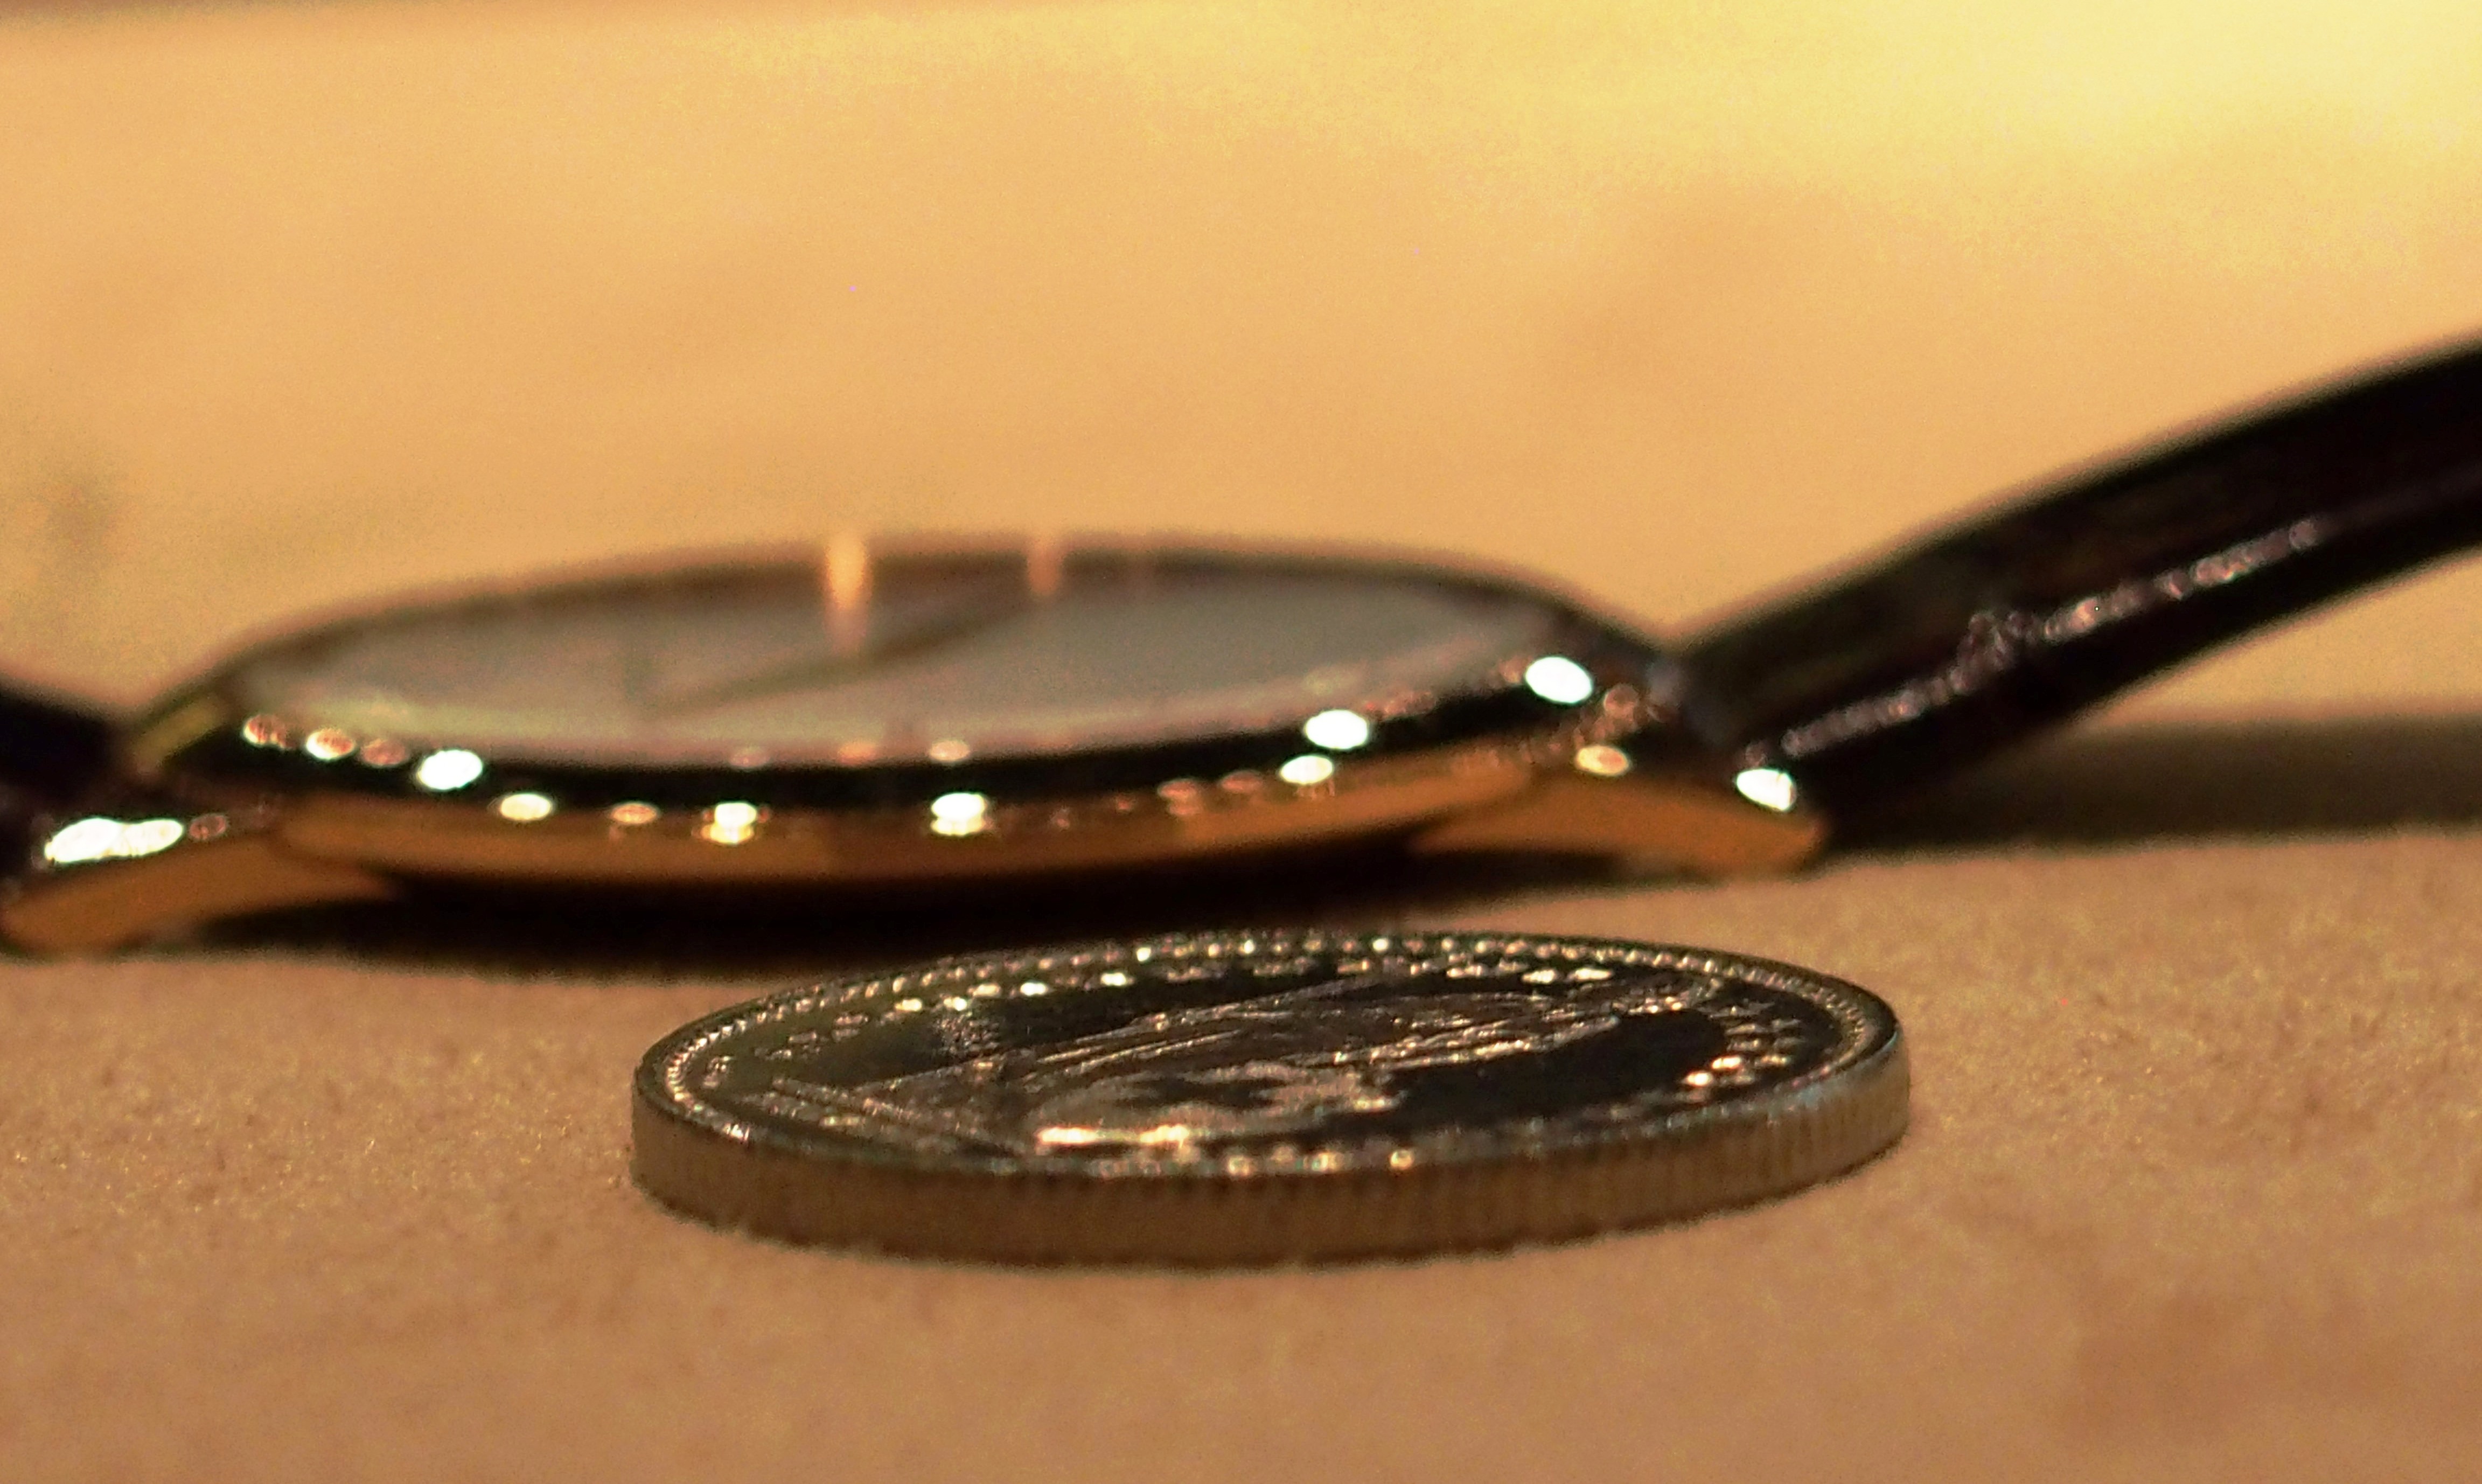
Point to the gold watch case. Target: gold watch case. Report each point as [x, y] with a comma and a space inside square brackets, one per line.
[227, 805]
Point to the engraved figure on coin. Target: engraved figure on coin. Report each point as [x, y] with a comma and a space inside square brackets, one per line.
[1167, 1085]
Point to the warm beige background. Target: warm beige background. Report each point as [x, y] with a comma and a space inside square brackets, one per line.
[1673, 302]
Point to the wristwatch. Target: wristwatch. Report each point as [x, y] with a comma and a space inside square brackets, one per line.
[885, 714]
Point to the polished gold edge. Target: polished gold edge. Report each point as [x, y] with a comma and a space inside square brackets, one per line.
[1529, 793]
[216, 866]
[1503, 794]
[1231, 1221]
[974, 838]
[1651, 819]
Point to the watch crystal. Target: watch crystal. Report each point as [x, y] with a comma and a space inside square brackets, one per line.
[945, 659]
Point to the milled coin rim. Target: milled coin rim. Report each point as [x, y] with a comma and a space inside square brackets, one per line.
[697, 1159]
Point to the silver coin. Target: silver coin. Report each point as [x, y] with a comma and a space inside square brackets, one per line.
[1267, 1097]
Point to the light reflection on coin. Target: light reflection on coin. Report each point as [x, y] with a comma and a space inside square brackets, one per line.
[1268, 1097]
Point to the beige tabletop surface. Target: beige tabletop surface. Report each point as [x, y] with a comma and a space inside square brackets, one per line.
[1674, 303]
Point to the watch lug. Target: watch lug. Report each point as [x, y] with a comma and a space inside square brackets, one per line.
[102, 882]
[1648, 820]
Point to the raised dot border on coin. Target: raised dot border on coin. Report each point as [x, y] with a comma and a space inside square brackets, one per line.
[1479, 1193]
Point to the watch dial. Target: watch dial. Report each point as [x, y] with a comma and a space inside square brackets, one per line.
[942, 657]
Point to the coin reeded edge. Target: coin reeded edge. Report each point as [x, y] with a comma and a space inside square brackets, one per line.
[1712, 1159]
[1046, 1216]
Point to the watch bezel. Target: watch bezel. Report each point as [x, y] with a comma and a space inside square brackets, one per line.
[877, 822]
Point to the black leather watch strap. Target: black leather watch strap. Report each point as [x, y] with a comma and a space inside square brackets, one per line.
[1957, 645]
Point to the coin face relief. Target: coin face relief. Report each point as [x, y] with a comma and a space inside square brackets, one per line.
[1268, 1097]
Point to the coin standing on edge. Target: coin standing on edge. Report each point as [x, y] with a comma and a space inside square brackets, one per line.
[1244, 1098]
